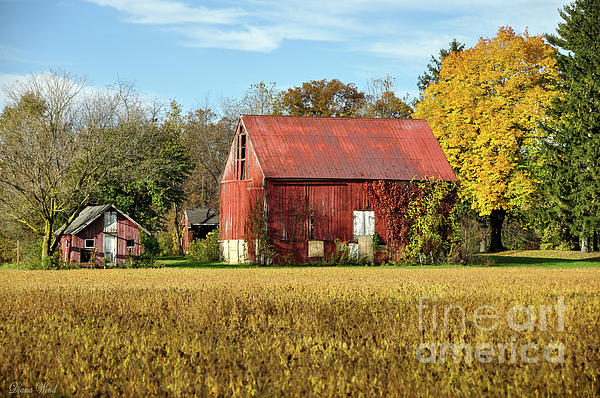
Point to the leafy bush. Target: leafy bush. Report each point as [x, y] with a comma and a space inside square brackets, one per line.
[165, 243]
[151, 249]
[141, 261]
[207, 249]
[150, 245]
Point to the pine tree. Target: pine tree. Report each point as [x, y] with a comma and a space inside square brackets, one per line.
[572, 172]
[432, 74]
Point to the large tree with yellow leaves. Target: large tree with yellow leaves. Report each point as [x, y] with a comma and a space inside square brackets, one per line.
[485, 111]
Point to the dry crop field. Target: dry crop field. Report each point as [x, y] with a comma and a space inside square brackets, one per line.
[301, 331]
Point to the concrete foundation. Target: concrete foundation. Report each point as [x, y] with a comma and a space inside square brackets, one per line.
[234, 251]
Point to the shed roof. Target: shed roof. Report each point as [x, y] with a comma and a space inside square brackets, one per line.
[91, 213]
[202, 216]
[346, 148]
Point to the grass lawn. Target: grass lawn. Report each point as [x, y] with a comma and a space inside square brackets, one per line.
[545, 258]
[510, 258]
[184, 262]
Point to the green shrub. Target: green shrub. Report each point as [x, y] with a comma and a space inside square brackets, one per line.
[150, 245]
[165, 243]
[207, 249]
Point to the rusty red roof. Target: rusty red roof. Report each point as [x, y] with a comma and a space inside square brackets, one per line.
[346, 148]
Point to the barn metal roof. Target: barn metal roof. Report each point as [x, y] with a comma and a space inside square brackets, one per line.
[346, 148]
[91, 213]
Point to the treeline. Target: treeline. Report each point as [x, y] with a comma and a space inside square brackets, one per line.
[518, 118]
[63, 147]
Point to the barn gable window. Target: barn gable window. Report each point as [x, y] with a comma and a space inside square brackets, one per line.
[89, 243]
[241, 155]
[110, 221]
[130, 243]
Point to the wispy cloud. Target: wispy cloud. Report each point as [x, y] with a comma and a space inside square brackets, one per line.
[249, 39]
[165, 12]
[13, 54]
[388, 28]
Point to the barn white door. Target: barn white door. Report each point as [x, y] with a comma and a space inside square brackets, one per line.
[110, 236]
[110, 248]
[363, 223]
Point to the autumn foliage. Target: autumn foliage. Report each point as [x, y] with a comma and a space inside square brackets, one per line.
[418, 217]
[485, 111]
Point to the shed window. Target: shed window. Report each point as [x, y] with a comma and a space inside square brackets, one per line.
[130, 243]
[110, 221]
[89, 243]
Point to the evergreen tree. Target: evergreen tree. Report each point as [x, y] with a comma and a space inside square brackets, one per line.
[432, 74]
[572, 150]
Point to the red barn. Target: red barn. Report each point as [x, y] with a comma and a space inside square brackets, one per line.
[309, 174]
[101, 232]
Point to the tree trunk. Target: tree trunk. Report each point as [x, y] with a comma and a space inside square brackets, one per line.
[496, 221]
[585, 239]
[178, 232]
[46, 243]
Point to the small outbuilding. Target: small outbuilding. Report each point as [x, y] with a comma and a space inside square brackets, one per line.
[307, 176]
[101, 234]
[197, 223]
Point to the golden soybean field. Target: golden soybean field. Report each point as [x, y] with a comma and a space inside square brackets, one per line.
[293, 331]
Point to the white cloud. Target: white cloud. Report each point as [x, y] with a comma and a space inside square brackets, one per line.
[8, 82]
[412, 48]
[165, 12]
[250, 39]
[389, 28]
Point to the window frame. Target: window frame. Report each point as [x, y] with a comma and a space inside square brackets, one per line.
[241, 151]
[85, 244]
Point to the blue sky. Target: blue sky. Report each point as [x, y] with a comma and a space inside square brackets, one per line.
[192, 51]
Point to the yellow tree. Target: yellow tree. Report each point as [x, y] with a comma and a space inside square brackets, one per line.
[485, 111]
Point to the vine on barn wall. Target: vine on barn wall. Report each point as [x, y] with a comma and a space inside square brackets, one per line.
[260, 248]
[419, 218]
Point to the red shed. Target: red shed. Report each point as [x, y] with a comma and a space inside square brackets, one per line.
[101, 232]
[196, 224]
[309, 173]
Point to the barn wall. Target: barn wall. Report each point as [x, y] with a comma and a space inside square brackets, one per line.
[71, 245]
[238, 196]
[289, 207]
[126, 229]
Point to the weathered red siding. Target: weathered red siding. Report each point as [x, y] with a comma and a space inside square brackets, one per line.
[288, 210]
[71, 245]
[238, 196]
[127, 230]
